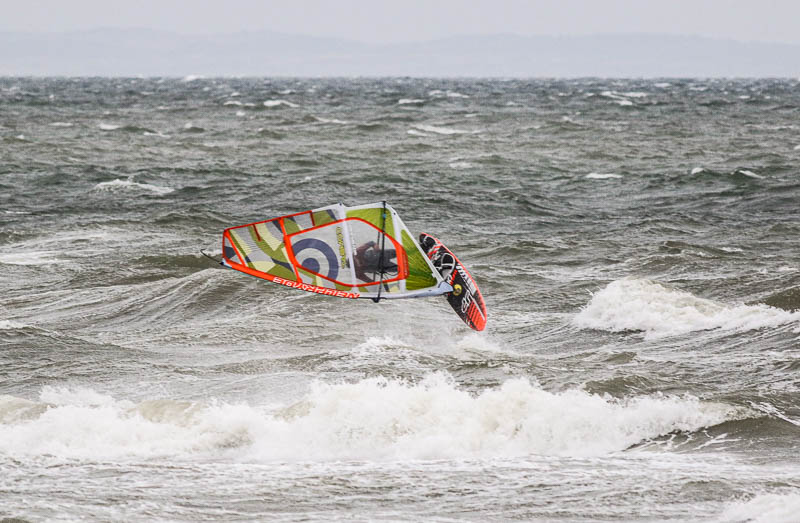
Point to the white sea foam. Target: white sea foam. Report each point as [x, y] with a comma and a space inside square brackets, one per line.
[373, 419]
[617, 97]
[449, 94]
[232, 102]
[107, 127]
[442, 130]
[414, 132]
[191, 78]
[765, 508]
[602, 176]
[461, 165]
[797, 147]
[663, 85]
[30, 257]
[158, 134]
[659, 310]
[240, 113]
[61, 124]
[278, 103]
[751, 174]
[126, 185]
[410, 101]
[11, 325]
[331, 120]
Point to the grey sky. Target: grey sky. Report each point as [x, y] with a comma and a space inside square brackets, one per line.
[413, 20]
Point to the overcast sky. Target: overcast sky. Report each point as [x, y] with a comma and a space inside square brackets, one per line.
[378, 21]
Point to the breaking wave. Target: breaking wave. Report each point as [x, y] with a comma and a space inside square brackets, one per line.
[659, 310]
[765, 508]
[126, 185]
[374, 419]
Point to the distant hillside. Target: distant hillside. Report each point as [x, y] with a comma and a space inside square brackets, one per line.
[134, 52]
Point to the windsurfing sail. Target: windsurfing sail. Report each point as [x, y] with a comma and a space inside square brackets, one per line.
[364, 251]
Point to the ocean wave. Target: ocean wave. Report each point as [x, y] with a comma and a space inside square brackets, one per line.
[189, 127]
[618, 98]
[273, 104]
[126, 128]
[780, 507]
[11, 325]
[374, 419]
[330, 120]
[658, 310]
[35, 257]
[442, 130]
[128, 185]
[603, 176]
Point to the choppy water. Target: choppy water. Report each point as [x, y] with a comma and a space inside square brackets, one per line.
[636, 243]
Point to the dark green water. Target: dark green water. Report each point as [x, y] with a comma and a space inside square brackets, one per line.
[636, 242]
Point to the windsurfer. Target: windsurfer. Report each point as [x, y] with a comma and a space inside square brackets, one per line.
[368, 259]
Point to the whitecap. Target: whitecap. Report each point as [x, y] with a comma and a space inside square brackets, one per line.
[442, 130]
[410, 101]
[278, 103]
[32, 257]
[779, 507]
[414, 132]
[159, 134]
[11, 325]
[331, 120]
[698, 170]
[617, 97]
[372, 419]
[240, 113]
[797, 147]
[232, 102]
[108, 127]
[191, 78]
[602, 176]
[748, 173]
[190, 127]
[61, 124]
[461, 165]
[663, 85]
[658, 310]
[127, 185]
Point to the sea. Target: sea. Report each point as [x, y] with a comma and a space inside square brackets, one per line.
[637, 243]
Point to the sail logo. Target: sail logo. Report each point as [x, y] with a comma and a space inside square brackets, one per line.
[342, 251]
[313, 288]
